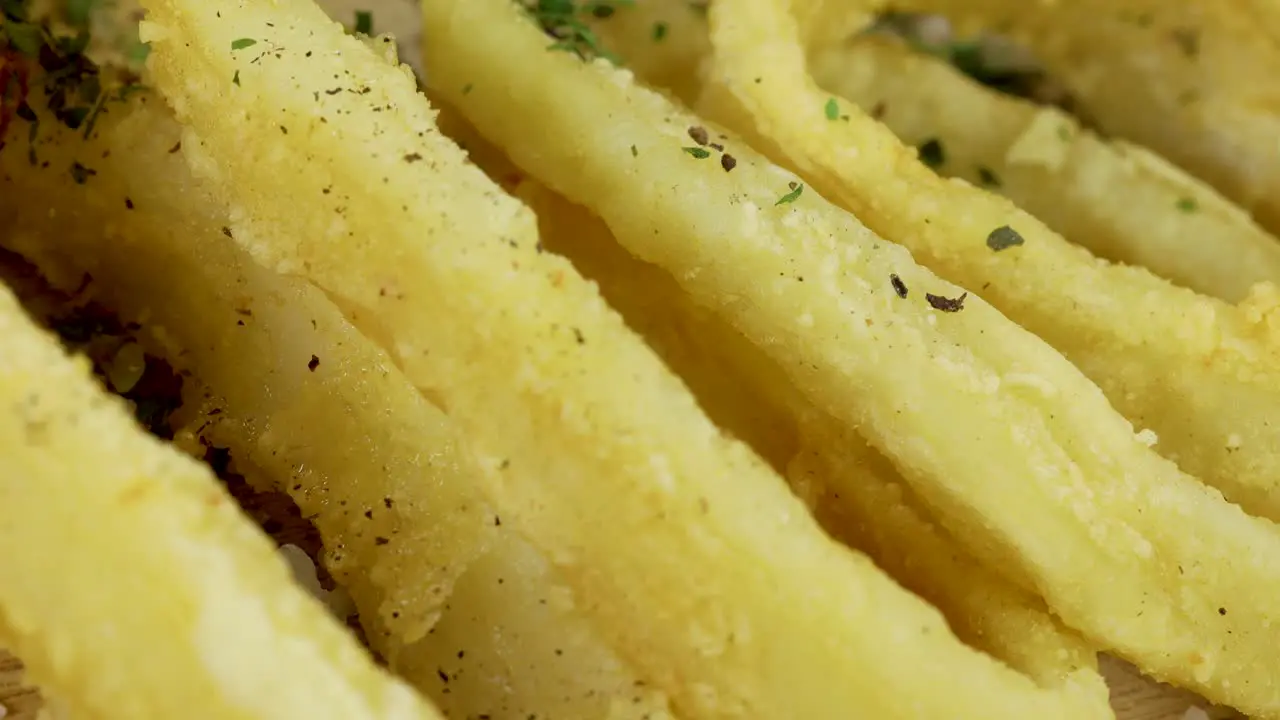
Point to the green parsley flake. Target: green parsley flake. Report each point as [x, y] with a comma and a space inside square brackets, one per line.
[659, 31]
[796, 189]
[364, 22]
[697, 152]
[235, 79]
[1003, 238]
[832, 109]
[1187, 205]
[932, 153]
[988, 176]
[243, 43]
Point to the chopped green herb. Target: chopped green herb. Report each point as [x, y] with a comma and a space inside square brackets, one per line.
[832, 109]
[235, 79]
[1187, 205]
[243, 43]
[659, 31]
[1003, 238]
[26, 38]
[364, 22]
[634, 151]
[988, 176]
[698, 152]
[932, 153]
[796, 189]
[564, 22]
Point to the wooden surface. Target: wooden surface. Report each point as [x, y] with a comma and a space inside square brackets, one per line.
[1132, 696]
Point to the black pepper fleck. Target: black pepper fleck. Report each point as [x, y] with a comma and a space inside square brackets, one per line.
[898, 286]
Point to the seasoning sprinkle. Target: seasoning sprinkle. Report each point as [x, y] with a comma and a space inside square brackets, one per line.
[832, 109]
[699, 134]
[659, 31]
[1003, 238]
[243, 43]
[988, 177]
[932, 153]
[698, 152]
[899, 287]
[945, 304]
[796, 189]
[1187, 205]
[728, 162]
[81, 174]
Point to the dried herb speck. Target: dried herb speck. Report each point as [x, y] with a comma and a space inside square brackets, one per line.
[1003, 238]
[945, 304]
[899, 287]
[932, 153]
[698, 152]
[728, 162]
[796, 189]
[699, 134]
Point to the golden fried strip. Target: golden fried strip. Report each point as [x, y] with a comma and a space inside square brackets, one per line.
[970, 406]
[687, 551]
[1210, 403]
[378, 468]
[1188, 79]
[855, 493]
[131, 584]
[1196, 370]
[1119, 200]
[349, 438]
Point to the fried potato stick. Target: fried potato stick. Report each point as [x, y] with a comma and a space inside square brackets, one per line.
[301, 395]
[1188, 79]
[1119, 200]
[315, 406]
[967, 404]
[685, 549]
[131, 584]
[1219, 376]
[1195, 380]
[855, 492]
